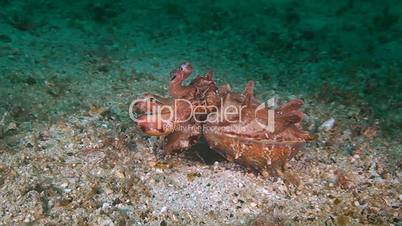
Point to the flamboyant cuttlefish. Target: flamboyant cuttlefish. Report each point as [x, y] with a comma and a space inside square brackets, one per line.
[236, 125]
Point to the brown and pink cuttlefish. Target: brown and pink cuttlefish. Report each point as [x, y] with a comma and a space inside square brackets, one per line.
[236, 125]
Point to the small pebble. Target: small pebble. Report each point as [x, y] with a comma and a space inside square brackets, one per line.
[11, 126]
[105, 205]
[163, 209]
[328, 125]
[119, 174]
[356, 203]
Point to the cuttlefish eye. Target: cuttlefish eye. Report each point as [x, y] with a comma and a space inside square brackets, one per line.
[185, 67]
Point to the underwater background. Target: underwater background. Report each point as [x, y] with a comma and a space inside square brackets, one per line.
[69, 70]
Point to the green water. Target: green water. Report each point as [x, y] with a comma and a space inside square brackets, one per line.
[339, 52]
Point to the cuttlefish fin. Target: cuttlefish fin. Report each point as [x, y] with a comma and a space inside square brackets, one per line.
[292, 105]
[248, 93]
[225, 89]
[209, 75]
[285, 120]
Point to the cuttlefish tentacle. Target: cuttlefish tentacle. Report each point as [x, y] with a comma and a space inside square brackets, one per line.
[177, 76]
